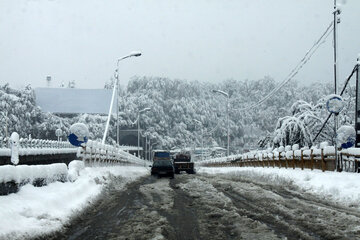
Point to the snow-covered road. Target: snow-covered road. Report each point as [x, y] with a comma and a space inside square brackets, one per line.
[35, 211]
[213, 206]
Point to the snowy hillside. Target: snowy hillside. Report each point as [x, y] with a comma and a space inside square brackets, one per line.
[176, 103]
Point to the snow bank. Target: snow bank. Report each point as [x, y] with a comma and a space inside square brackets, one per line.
[338, 187]
[35, 211]
[28, 174]
[74, 169]
[5, 152]
[329, 150]
[352, 151]
[38, 151]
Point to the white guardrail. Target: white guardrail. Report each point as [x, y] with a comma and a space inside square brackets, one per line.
[94, 152]
[280, 154]
[97, 152]
[36, 147]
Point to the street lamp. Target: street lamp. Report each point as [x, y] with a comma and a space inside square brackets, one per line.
[227, 110]
[138, 124]
[151, 148]
[116, 89]
[202, 137]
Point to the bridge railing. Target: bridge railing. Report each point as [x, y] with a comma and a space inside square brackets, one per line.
[322, 158]
[34, 146]
[97, 153]
[35, 143]
[42, 151]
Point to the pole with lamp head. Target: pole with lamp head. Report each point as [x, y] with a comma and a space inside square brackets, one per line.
[202, 138]
[116, 89]
[228, 123]
[138, 124]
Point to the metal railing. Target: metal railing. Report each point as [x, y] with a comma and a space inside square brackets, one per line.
[288, 157]
[96, 152]
[35, 143]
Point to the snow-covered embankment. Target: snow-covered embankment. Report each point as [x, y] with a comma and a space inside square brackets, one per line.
[342, 188]
[35, 211]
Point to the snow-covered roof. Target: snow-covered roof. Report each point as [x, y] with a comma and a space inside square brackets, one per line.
[73, 100]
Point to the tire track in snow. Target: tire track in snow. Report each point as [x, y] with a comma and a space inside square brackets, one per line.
[209, 207]
[118, 214]
[291, 192]
[217, 215]
[288, 212]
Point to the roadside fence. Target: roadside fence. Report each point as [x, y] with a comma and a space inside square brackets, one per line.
[322, 158]
[35, 143]
[98, 153]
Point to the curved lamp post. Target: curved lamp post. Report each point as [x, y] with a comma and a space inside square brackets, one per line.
[116, 89]
[227, 110]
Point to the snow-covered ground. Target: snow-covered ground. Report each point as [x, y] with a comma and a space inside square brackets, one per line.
[343, 188]
[37, 210]
[34, 211]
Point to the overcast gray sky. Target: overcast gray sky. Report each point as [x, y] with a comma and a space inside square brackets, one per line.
[205, 40]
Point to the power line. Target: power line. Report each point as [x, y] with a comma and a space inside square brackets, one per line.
[298, 67]
[343, 90]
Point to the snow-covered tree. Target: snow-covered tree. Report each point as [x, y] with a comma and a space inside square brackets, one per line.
[296, 113]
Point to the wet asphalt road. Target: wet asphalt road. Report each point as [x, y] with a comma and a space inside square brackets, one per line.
[211, 207]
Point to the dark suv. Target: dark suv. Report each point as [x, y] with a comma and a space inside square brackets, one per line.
[163, 168]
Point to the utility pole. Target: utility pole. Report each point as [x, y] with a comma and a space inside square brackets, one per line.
[357, 110]
[228, 126]
[202, 137]
[146, 149]
[117, 105]
[149, 149]
[336, 21]
[202, 143]
[228, 123]
[138, 127]
[138, 137]
[357, 104]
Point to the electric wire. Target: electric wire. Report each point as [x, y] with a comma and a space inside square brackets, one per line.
[343, 90]
[298, 67]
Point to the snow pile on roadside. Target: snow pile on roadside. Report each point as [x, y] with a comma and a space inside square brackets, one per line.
[74, 169]
[26, 151]
[36, 211]
[27, 174]
[343, 188]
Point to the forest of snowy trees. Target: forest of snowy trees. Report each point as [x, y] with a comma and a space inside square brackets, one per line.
[293, 115]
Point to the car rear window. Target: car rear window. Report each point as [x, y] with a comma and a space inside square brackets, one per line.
[162, 154]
